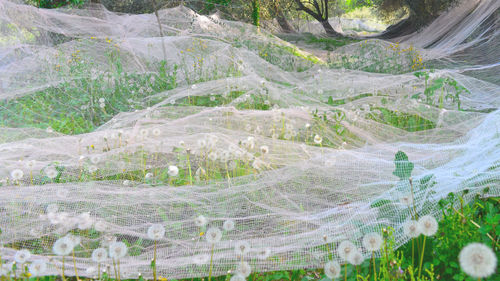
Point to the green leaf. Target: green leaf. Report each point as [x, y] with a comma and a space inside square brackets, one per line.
[403, 166]
[380, 203]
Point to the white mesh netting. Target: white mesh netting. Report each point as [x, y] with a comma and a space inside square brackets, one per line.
[97, 109]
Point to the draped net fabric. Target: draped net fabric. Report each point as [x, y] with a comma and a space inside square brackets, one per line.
[288, 146]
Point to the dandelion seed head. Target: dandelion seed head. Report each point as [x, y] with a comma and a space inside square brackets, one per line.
[345, 249]
[244, 269]
[51, 172]
[17, 174]
[428, 225]
[156, 232]
[38, 268]
[241, 248]
[173, 171]
[264, 253]
[355, 258]
[200, 221]
[372, 241]
[99, 255]
[411, 229]
[213, 235]
[85, 221]
[117, 250]
[63, 246]
[238, 277]
[228, 225]
[478, 260]
[22, 256]
[332, 269]
[264, 149]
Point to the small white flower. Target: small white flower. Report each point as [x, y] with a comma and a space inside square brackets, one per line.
[428, 225]
[17, 174]
[307, 125]
[63, 246]
[264, 149]
[244, 269]
[117, 250]
[372, 241]
[22, 256]
[51, 172]
[355, 258]
[173, 171]
[200, 221]
[38, 268]
[411, 229]
[228, 225]
[317, 139]
[345, 249]
[156, 232]
[477, 260]
[241, 248]
[263, 254]
[213, 235]
[332, 269]
[99, 255]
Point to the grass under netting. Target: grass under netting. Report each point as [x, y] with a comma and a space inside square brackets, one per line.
[434, 256]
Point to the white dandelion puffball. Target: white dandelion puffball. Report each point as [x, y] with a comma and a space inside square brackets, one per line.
[173, 171]
[30, 164]
[51, 172]
[17, 174]
[244, 269]
[428, 225]
[372, 241]
[22, 256]
[102, 105]
[345, 249]
[264, 149]
[117, 250]
[332, 269]
[238, 277]
[213, 235]
[144, 132]
[156, 232]
[317, 139]
[228, 225]
[95, 159]
[148, 176]
[38, 268]
[411, 229]
[241, 248]
[63, 246]
[102, 100]
[99, 255]
[406, 200]
[201, 259]
[74, 239]
[212, 156]
[264, 254]
[85, 221]
[200, 221]
[477, 260]
[156, 132]
[355, 258]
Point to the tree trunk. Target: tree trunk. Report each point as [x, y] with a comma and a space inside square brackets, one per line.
[284, 24]
[329, 29]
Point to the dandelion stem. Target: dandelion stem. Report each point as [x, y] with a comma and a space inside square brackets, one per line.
[62, 270]
[154, 263]
[189, 169]
[374, 268]
[99, 271]
[421, 259]
[345, 272]
[74, 265]
[211, 263]
[114, 266]
[413, 198]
